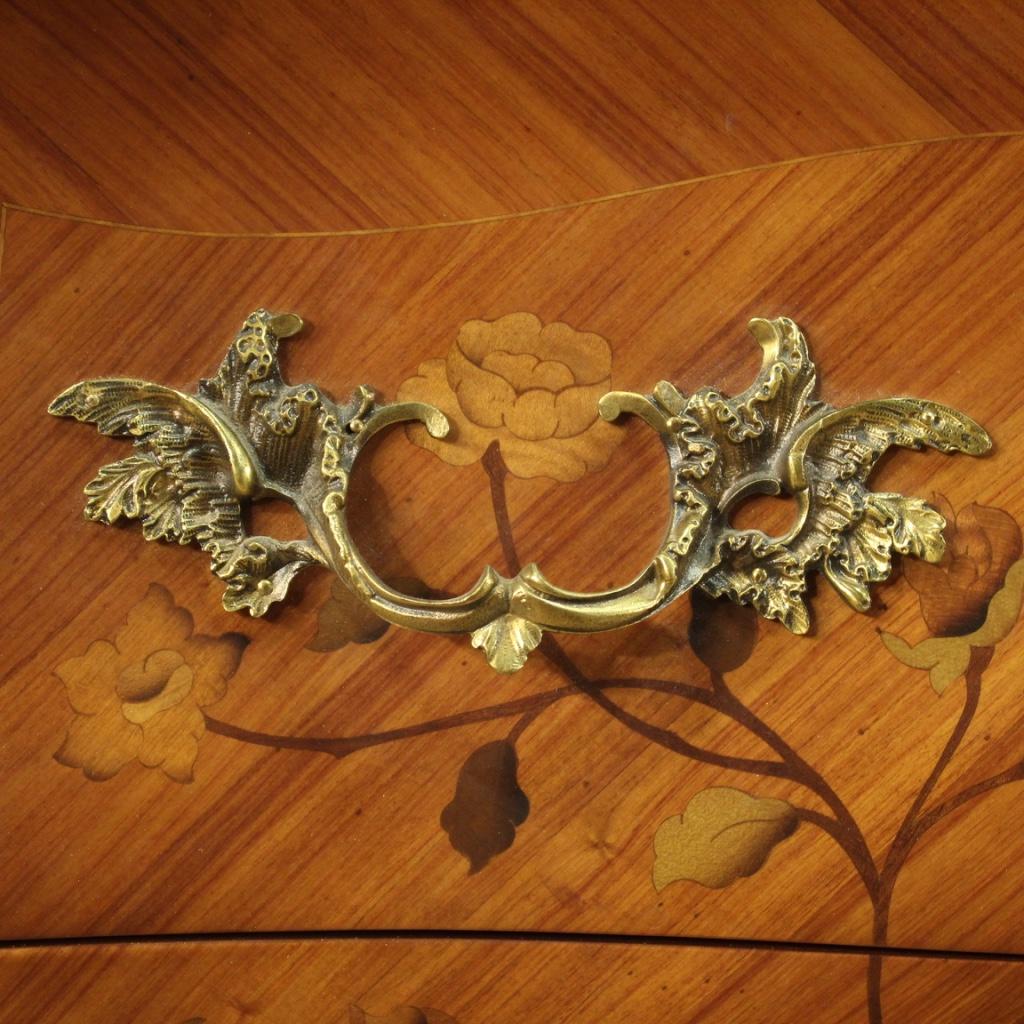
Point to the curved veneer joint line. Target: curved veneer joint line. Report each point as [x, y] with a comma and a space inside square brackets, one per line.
[512, 215]
[246, 434]
[505, 935]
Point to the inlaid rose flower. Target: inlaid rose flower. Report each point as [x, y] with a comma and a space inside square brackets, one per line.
[981, 545]
[139, 696]
[531, 387]
[971, 599]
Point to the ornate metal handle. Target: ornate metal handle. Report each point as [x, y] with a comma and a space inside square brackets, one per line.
[246, 434]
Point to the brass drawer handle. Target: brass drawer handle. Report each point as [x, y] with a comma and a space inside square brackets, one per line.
[245, 435]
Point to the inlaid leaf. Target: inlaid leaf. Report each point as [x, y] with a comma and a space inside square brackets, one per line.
[724, 834]
[344, 619]
[488, 805]
[722, 634]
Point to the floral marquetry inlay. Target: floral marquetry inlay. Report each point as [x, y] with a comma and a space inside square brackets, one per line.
[971, 600]
[523, 400]
[144, 694]
[531, 388]
[139, 696]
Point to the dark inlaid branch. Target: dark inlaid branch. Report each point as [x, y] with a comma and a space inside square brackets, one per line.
[847, 832]
[497, 471]
[843, 829]
[672, 741]
[910, 829]
[528, 708]
[908, 833]
[936, 814]
[341, 746]
[719, 698]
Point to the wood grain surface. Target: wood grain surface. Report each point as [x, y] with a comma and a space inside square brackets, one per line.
[288, 116]
[165, 170]
[419, 981]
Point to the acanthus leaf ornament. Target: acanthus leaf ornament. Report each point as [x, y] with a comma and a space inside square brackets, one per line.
[246, 434]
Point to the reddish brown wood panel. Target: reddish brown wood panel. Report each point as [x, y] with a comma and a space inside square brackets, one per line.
[904, 267]
[310, 116]
[421, 981]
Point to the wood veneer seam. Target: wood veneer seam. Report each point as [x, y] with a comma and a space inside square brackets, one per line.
[456, 935]
[517, 214]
